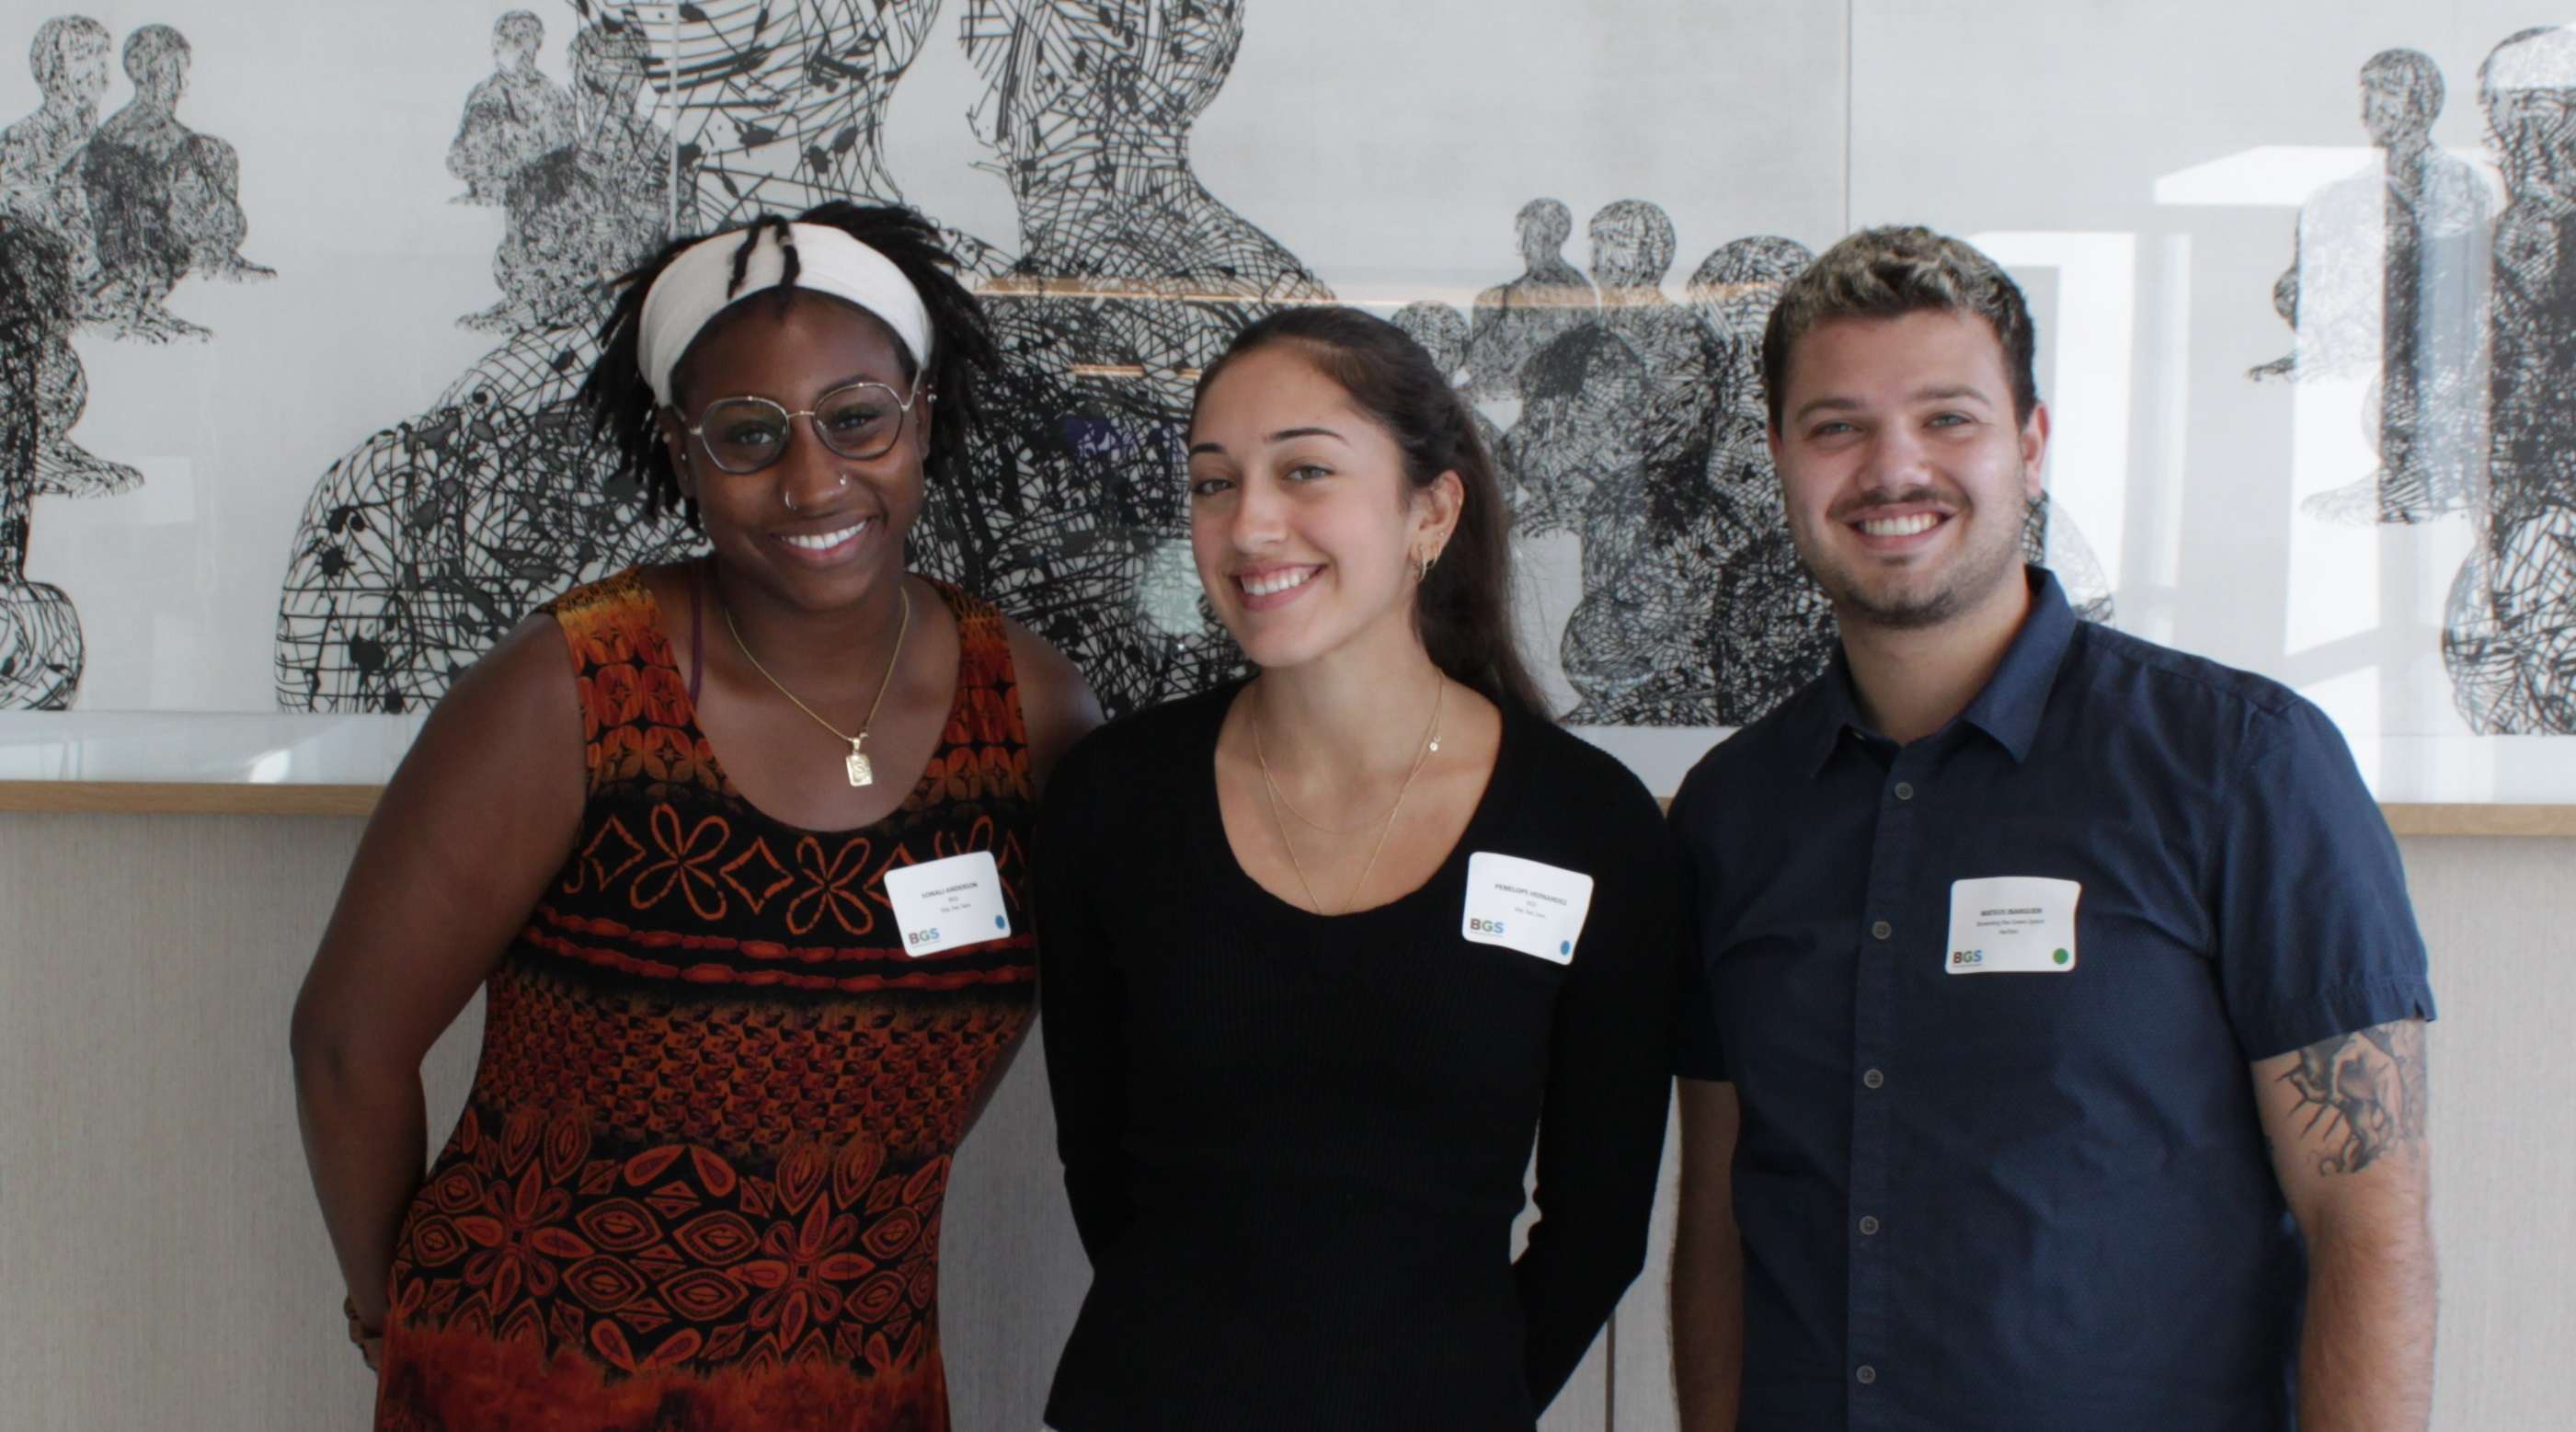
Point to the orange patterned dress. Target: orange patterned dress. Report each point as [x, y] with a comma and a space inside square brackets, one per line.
[698, 1183]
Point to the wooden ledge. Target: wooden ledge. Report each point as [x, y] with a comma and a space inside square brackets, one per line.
[286, 798]
[2480, 819]
[187, 798]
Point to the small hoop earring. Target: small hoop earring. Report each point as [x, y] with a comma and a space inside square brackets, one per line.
[1423, 564]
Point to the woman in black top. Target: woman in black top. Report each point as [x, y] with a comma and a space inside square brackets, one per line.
[1323, 952]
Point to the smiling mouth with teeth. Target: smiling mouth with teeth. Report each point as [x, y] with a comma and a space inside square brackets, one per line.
[1273, 583]
[1900, 526]
[824, 541]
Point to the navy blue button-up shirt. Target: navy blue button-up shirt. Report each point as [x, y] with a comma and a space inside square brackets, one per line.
[2005, 1200]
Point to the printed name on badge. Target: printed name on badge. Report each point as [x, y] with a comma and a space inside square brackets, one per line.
[940, 905]
[1524, 905]
[2012, 924]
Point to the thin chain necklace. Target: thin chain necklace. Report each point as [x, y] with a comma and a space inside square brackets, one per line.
[862, 772]
[1269, 786]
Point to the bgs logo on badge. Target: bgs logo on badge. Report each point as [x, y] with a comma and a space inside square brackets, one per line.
[923, 936]
[1486, 927]
[1961, 959]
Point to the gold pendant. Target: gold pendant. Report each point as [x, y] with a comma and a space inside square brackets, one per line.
[861, 772]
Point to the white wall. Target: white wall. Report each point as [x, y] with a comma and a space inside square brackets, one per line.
[162, 1266]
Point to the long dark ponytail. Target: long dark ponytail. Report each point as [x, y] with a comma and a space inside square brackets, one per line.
[1464, 607]
[962, 350]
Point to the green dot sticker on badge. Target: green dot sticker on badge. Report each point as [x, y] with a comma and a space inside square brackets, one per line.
[2012, 924]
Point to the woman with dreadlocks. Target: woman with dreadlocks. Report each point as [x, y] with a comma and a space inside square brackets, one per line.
[736, 848]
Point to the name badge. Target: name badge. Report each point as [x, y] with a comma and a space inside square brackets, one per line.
[942, 904]
[1524, 905]
[2012, 924]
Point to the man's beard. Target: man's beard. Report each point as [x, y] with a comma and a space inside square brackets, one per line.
[1972, 577]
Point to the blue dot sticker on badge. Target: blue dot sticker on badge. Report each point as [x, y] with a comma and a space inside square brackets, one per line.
[1525, 905]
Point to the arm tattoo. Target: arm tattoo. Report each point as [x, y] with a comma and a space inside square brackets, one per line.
[2362, 1094]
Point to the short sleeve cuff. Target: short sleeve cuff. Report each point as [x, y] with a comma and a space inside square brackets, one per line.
[1697, 1051]
[2296, 1024]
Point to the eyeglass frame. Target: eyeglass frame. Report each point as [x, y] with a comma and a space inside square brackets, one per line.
[920, 389]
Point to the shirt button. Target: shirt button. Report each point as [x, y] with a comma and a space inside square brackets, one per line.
[1868, 1225]
[1873, 1078]
[1882, 929]
[1905, 790]
[1867, 1374]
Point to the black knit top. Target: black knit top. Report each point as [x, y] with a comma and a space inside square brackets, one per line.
[1296, 1144]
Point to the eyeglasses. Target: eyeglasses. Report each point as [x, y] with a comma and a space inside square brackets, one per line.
[859, 422]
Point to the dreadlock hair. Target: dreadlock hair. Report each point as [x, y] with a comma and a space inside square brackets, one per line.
[1463, 607]
[621, 404]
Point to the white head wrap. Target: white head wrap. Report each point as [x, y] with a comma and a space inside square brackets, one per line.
[698, 285]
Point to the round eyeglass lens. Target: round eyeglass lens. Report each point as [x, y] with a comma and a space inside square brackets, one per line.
[744, 434]
[859, 421]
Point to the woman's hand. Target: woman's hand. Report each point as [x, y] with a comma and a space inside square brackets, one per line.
[369, 1337]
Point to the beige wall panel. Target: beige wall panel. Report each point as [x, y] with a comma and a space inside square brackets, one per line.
[161, 1262]
[161, 1265]
[2495, 912]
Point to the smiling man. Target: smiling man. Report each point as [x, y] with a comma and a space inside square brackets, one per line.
[2057, 1054]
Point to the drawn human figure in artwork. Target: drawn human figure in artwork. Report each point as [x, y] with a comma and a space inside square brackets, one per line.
[1771, 628]
[1131, 278]
[510, 118]
[779, 105]
[163, 200]
[2389, 286]
[420, 548]
[513, 120]
[40, 185]
[1632, 252]
[40, 636]
[1444, 333]
[1655, 545]
[628, 153]
[2510, 635]
[1516, 319]
[39, 154]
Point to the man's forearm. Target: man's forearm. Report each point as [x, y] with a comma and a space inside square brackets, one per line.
[2366, 1355]
[1708, 1263]
[1708, 1324]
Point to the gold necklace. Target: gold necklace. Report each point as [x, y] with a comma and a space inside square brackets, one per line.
[862, 772]
[1271, 788]
[1439, 691]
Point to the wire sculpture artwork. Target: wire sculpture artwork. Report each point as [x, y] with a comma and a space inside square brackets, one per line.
[98, 223]
[421, 548]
